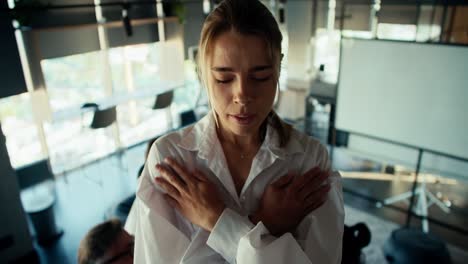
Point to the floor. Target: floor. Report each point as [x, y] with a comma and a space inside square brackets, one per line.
[83, 198]
[365, 186]
[84, 195]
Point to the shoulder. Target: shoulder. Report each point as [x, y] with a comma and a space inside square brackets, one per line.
[186, 138]
[307, 143]
[313, 152]
[173, 137]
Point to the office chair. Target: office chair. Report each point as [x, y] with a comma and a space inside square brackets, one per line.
[355, 238]
[164, 101]
[411, 245]
[187, 118]
[103, 118]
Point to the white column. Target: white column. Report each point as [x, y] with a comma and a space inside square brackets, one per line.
[35, 83]
[300, 55]
[107, 74]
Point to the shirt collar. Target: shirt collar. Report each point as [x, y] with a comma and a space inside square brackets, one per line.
[272, 144]
[202, 137]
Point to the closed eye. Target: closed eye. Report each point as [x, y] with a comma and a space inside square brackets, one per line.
[223, 81]
[262, 79]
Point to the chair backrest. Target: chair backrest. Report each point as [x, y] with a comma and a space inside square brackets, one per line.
[104, 118]
[163, 100]
[187, 118]
[34, 173]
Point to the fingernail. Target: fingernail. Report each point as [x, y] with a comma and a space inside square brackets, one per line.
[167, 159]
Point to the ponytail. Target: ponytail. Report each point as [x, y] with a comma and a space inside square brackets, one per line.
[283, 129]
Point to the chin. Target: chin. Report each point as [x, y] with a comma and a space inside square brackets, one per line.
[244, 130]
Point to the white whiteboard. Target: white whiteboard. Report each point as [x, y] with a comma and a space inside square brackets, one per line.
[412, 93]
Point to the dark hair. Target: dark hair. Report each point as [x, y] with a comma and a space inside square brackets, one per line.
[98, 240]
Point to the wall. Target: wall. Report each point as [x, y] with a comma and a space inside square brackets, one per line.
[11, 72]
[15, 240]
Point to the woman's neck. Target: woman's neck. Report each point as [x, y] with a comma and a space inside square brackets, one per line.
[243, 142]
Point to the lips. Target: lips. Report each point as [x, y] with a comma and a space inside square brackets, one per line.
[243, 119]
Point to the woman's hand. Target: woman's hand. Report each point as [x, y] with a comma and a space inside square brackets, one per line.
[288, 200]
[191, 193]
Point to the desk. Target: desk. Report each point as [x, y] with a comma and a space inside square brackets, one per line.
[115, 100]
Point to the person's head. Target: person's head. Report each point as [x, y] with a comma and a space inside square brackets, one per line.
[239, 62]
[107, 243]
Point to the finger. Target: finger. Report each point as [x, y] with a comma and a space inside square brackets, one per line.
[300, 181]
[317, 197]
[170, 190]
[173, 179]
[314, 206]
[200, 176]
[179, 169]
[313, 184]
[172, 202]
[284, 180]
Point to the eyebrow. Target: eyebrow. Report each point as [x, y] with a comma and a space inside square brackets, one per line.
[254, 69]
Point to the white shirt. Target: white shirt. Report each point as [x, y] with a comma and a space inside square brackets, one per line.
[163, 235]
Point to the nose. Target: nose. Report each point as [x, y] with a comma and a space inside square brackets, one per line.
[243, 92]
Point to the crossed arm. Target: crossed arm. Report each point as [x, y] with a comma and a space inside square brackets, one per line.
[163, 234]
[196, 198]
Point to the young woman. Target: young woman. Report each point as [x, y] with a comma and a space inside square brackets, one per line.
[239, 186]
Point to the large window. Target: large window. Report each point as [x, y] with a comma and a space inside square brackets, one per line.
[71, 82]
[21, 132]
[74, 80]
[139, 72]
[396, 32]
[136, 75]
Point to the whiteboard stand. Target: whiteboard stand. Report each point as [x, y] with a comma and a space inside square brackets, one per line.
[422, 194]
[425, 200]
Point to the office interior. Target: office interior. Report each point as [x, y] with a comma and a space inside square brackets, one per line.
[86, 84]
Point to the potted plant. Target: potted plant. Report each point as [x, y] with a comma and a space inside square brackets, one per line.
[174, 8]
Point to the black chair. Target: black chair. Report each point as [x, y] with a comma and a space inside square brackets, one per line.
[164, 101]
[187, 118]
[412, 246]
[355, 238]
[102, 118]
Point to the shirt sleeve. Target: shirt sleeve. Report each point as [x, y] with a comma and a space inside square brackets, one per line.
[320, 234]
[161, 235]
[318, 238]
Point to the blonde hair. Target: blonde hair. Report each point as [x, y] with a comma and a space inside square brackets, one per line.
[98, 240]
[249, 17]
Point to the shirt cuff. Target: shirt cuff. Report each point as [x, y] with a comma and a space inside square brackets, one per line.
[227, 232]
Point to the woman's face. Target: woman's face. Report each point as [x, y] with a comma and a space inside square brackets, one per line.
[243, 82]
